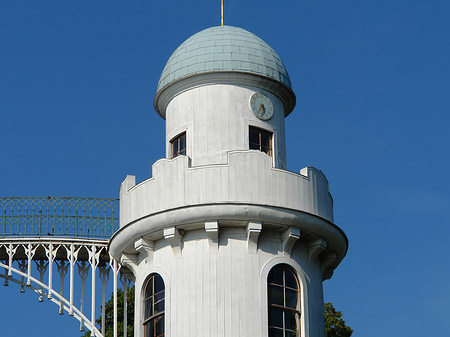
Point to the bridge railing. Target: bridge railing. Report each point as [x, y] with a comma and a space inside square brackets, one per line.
[58, 216]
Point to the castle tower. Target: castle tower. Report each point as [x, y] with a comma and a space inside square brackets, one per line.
[222, 240]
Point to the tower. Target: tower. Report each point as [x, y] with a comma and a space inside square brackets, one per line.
[222, 240]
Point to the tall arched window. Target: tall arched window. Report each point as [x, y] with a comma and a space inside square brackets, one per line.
[284, 302]
[154, 306]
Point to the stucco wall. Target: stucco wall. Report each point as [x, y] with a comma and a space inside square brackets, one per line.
[222, 291]
[216, 119]
[248, 177]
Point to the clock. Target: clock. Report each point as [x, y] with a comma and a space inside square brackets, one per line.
[261, 106]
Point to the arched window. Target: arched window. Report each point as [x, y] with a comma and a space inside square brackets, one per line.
[284, 302]
[154, 306]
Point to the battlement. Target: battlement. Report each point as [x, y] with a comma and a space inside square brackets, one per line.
[247, 178]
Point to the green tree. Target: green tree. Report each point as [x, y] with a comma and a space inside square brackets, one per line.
[334, 324]
[109, 313]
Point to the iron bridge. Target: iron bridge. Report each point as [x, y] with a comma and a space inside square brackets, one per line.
[49, 244]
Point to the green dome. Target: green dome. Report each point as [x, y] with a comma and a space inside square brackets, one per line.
[223, 49]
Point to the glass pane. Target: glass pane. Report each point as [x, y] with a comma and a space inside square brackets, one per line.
[276, 275]
[290, 333]
[159, 284]
[290, 279]
[275, 317]
[159, 306]
[276, 295]
[183, 144]
[175, 148]
[254, 139]
[265, 149]
[160, 326]
[291, 298]
[149, 329]
[273, 332]
[290, 320]
[265, 140]
[159, 296]
[148, 308]
[149, 289]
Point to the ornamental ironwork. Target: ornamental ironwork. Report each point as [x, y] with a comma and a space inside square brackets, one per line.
[43, 265]
[58, 216]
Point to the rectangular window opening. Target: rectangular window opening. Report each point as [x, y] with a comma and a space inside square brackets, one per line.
[178, 145]
[261, 140]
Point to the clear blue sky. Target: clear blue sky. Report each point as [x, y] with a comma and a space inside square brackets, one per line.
[372, 78]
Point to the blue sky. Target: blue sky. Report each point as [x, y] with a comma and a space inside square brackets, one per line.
[372, 78]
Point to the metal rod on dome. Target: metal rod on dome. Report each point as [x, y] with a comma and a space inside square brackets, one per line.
[221, 7]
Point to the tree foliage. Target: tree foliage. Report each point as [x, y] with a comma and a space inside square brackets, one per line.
[334, 324]
[109, 313]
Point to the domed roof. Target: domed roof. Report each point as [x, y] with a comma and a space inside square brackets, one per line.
[223, 49]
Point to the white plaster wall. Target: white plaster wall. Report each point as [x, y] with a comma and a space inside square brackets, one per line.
[216, 118]
[248, 177]
[223, 292]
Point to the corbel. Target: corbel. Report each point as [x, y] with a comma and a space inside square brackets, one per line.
[254, 228]
[212, 232]
[288, 239]
[175, 240]
[326, 265]
[145, 249]
[129, 260]
[315, 248]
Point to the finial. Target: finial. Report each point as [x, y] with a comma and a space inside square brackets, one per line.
[221, 22]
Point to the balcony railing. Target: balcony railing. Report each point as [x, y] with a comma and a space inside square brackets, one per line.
[93, 218]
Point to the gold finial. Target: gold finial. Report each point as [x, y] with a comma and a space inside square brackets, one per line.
[221, 22]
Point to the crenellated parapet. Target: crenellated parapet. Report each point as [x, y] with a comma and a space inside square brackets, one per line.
[247, 178]
[245, 191]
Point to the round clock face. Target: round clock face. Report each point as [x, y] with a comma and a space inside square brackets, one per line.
[261, 106]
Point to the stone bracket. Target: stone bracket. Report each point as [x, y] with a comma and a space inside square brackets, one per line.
[129, 260]
[314, 249]
[327, 262]
[288, 239]
[145, 249]
[175, 239]
[254, 228]
[212, 231]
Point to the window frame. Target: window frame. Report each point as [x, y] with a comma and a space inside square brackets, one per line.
[285, 331]
[153, 317]
[259, 145]
[177, 141]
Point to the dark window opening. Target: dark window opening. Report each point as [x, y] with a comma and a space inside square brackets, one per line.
[154, 307]
[261, 140]
[284, 296]
[178, 145]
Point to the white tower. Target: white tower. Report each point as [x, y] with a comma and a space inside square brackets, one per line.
[222, 239]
